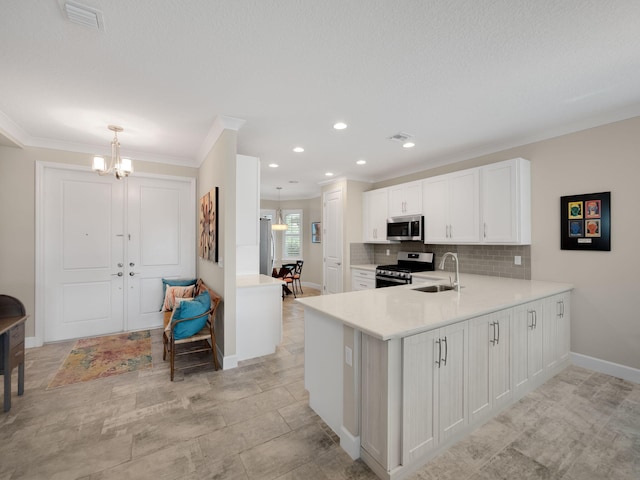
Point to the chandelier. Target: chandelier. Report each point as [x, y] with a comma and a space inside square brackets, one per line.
[278, 223]
[120, 167]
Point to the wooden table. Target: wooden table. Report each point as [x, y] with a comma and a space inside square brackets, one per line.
[12, 353]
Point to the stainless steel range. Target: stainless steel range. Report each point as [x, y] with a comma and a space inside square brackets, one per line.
[400, 273]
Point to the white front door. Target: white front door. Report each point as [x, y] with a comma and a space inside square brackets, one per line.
[106, 246]
[83, 254]
[332, 233]
[160, 243]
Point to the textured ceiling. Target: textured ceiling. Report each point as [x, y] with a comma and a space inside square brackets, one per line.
[464, 77]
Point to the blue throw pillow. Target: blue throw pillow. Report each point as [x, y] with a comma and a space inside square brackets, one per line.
[175, 282]
[197, 306]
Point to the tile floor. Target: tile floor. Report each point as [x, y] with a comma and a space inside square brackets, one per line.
[253, 422]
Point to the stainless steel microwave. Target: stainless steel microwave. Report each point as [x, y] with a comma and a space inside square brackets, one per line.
[405, 228]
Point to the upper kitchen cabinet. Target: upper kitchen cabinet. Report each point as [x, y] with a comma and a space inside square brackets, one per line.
[405, 199]
[451, 207]
[374, 210]
[506, 202]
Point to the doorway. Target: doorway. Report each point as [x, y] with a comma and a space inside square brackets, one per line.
[103, 246]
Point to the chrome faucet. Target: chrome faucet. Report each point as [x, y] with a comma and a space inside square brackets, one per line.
[456, 284]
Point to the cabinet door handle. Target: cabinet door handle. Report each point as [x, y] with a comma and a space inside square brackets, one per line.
[493, 339]
[439, 352]
[446, 351]
[498, 339]
[535, 319]
[485, 229]
[530, 312]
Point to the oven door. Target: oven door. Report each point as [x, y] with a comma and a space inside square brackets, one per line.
[382, 281]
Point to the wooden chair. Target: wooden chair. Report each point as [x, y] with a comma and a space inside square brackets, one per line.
[204, 340]
[297, 272]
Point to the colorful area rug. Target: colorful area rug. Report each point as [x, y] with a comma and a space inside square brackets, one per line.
[101, 357]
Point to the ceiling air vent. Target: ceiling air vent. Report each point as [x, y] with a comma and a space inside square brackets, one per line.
[400, 137]
[83, 15]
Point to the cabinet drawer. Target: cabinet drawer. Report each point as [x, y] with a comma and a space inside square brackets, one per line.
[16, 335]
[16, 356]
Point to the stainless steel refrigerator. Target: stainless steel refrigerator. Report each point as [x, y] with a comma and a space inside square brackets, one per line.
[267, 247]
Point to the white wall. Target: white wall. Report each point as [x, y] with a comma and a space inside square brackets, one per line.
[605, 321]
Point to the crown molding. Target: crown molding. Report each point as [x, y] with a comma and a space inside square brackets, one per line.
[220, 124]
[12, 132]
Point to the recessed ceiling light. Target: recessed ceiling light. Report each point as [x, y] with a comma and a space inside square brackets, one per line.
[274, 165]
[361, 162]
[408, 145]
[340, 126]
[329, 174]
[298, 149]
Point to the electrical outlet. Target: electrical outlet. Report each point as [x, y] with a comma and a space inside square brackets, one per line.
[388, 252]
[517, 260]
[348, 356]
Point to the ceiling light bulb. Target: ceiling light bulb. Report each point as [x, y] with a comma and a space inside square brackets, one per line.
[298, 149]
[329, 174]
[409, 145]
[361, 162]
[340, 126]
[274, 165]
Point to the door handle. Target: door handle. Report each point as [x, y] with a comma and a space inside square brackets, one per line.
[338, 263]
[439, 352]
[131, 274]
[119, 274]
[493, 340]
[446, 351]
[498, 339]
[131, 264]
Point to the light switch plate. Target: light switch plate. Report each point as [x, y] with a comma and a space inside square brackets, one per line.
[517, 260]
[348, 356]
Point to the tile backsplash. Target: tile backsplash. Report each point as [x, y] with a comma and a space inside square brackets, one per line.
[495, 260]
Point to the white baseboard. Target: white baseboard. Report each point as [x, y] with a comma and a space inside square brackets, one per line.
[229, 362]
[349, 443]
[32, 342]
[603, 366]
[312, 285]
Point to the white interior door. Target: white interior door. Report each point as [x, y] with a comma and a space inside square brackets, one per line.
[83, 246]
[106, 246]
[332, 233]
[160, 243]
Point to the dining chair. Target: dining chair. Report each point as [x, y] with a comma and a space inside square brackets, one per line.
[297, 273]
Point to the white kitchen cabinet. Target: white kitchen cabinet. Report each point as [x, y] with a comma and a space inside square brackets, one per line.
[527, 360]
[563, 302]
[556, 329]
[374, 215]
[451, 207]
[405, 199]
[362, 279]
[505, 190]
[435, 367]
[489, 363]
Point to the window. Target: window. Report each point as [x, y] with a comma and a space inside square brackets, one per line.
[292, 236]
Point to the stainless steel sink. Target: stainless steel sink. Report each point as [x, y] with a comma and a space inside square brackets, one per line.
[434, 288]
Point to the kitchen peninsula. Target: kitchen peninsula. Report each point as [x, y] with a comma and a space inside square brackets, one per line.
[400, 374]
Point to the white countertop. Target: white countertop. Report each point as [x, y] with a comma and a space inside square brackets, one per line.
[396, 312]
[256, 280]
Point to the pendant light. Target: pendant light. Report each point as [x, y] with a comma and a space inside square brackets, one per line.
[278, 223]
[120, 167]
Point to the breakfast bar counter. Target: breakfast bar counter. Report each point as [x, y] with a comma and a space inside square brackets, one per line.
[397, 312]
